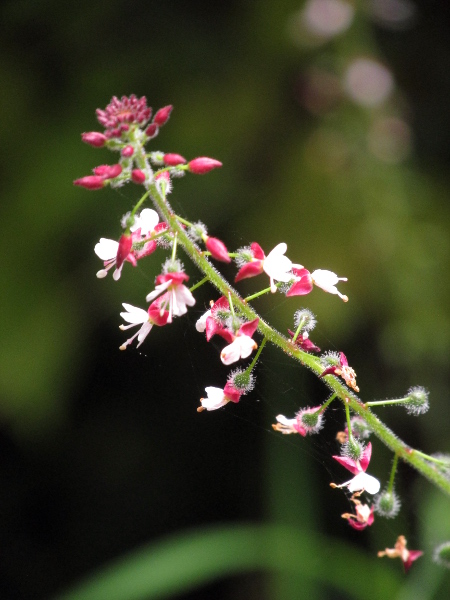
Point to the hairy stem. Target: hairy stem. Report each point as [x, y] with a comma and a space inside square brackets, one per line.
[407, 454]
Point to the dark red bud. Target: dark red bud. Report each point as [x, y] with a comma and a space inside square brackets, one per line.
[138, 176]
[94, 138]
[127, 152]
[108, 171]
[162, 116]
[90, 182]
[218, 249]
[125, 244]
[203, 165]
[172, 160]
[152, 130]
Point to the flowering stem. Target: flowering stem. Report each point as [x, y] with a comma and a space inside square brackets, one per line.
[386, 402]
[265, 291]
[198, 284]
[341, 391]
[432, 459]
[299, 328]
[140, 203]
[174, 249]
[326, 404]
[393, 471]
[349, 424]
[181, 220]
[253, 363]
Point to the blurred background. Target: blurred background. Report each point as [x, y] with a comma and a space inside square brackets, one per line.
[331, 119]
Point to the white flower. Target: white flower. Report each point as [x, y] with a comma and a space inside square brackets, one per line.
[135, 316]
[216, 398]
[285, 425]
[277, 266]
[241, 347]
[327, 280]
[179, 295]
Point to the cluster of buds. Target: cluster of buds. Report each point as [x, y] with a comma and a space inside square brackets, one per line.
[127, 127]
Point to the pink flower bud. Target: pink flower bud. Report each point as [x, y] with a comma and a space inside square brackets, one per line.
[127, 152]
[90, 182]
[172, 160]
[203, 164]
[162, 116]
[138, 176]
[218, 249]
[94, 138]
[152, 130]
[108, 171]
[125, 244]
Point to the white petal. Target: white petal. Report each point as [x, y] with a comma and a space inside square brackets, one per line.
[159, 289]
[363, 481]
[143, 332]
[216, 399]
[147, 221]
[276, 265]
[247, 345]
[182, 298]
[201, 323]
[134, 315]
[106, 249]
[231, 353]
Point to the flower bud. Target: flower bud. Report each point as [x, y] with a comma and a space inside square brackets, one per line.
[441, 555]
[90, 182]
[125, 245]
[387, 504]
[243, 381]
[108, 171]
[162, 116]
[94, 138]
[418, 401]
[353, 449]
[137, 176]
[152, 130]
[127, 152]
[218, 249]
[172, 160]
[202, 165]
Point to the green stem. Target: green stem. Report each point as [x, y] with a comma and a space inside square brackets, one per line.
[181, 220]
[393, 471]
[140, 203]
[299, 328]
[265, 291]
[386, 402]
[326, 404]
[432, 459]
[313, 363]
[253, 363]
[349, 424]
[174, 248]
[198, 284]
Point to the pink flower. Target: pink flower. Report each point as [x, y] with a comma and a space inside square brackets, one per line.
[213, 320]
[179, 296]
[361, 481]
[306, 421]
[304, 342]
[155, 315]
[129, 248]
[202, 165]
[327, 280]
[217, 397]
[343, 370]
[242, 344]
[401, 551]
[275, 264]
[363, 516]
[302, 282]
[120, 114]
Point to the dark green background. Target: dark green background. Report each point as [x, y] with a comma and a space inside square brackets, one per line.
[102, 451]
